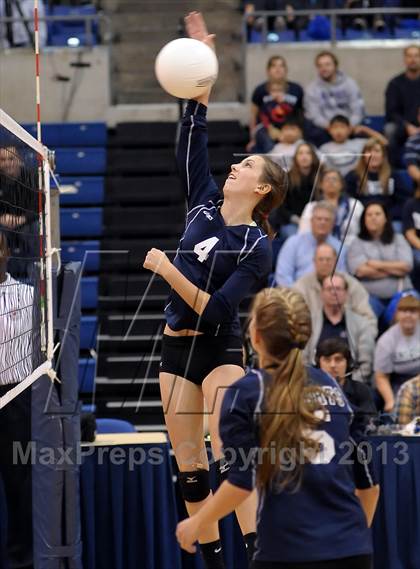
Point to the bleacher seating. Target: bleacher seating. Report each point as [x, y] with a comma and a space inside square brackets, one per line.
[59, 32]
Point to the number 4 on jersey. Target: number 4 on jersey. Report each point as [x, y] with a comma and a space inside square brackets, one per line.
[203, 248]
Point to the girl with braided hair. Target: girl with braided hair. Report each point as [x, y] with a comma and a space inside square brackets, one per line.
[288, 431]
[223, 256]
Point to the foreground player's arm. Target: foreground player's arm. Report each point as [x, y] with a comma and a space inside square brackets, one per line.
[221, 305]
[369, 500]
[227, 498]
[238, 436]
[365, 476]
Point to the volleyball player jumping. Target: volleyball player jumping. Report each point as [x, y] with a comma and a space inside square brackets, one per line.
[317, 492]
[223, 256]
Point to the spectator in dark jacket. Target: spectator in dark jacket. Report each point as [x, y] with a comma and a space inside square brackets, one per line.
[302, 177]
[412, 154]
[402, 98]
[273, 102]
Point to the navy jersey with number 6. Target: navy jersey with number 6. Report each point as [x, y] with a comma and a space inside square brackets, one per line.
[323, 520]
[228, 262]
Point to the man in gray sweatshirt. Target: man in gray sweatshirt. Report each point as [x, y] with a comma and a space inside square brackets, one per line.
[331, 93]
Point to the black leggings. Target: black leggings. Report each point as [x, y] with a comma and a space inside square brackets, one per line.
[358, 562]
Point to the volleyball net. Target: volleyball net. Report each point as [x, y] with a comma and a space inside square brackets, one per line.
[26, 322]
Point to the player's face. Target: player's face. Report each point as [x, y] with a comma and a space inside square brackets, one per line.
[331, 185]
[412, 59]
[408, 320]
[335, 365]
[326, 68]
[244, 177]
[277, 71]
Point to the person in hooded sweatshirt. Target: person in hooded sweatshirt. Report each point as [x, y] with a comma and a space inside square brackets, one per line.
[331, 93]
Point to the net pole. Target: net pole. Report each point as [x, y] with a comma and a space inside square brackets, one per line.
[37, 70]
[48, 261]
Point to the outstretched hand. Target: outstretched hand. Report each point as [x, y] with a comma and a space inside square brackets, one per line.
[197, 29]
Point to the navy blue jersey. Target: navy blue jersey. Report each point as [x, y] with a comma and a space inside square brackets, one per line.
[323, 520]
[228, 262]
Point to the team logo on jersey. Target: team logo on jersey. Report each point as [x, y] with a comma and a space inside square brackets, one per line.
[209, 217]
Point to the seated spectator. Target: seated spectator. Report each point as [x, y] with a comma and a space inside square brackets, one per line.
[411, 229]
[344, 152]
[412, 154]
[372, 179]
[332, 93]
[334, 357]
[358, 22]
[407, 406]
[275, 23]
[289, 138]
[379, 258]
[302, 176]
[309, 286]
[397, 354]
[402, 98]
[333, 319]
[16, 34]
[272, 103]
[16, 188]
[296, 256]
[348, 211]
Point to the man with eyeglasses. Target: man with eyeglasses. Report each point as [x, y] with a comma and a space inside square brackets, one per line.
[334, 319]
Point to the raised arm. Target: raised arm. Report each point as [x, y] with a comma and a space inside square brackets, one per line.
[192, 153]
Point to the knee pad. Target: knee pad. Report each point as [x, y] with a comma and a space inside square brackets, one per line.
[222, 470]
[195, 485]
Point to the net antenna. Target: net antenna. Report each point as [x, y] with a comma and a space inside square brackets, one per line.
[26, 303]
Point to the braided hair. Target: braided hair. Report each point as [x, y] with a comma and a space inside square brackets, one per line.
[283, 321]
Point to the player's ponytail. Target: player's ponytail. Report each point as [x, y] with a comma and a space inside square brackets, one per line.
[283, 321]
[276, 177]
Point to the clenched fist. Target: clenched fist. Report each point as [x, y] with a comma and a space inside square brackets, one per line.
[156, 261]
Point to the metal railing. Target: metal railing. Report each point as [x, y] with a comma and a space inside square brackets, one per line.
[336, 16]
[102, 20]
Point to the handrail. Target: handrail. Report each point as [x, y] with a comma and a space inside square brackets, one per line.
[88, 20]
[332, 12]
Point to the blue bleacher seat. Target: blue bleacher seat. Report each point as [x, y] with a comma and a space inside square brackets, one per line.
[377, 122]
[71, 134]
[87, 190]
[88, 332]
[86, 375]
[114, 426]
[59, 31]
[82, 250]
[89, 287]
[88, 408]
[83, 222]
[75, 161]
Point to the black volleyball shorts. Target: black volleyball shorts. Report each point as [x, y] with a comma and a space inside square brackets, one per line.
[194, 357]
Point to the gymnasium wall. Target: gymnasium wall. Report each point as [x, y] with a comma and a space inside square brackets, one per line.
[371, 64]
[83, 94]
